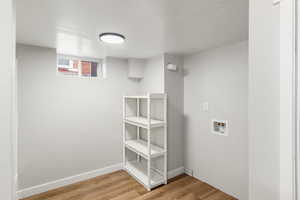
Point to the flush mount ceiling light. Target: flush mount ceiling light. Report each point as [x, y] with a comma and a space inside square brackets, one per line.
[112, 38]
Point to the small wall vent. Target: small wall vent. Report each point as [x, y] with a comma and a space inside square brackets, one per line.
[171, 67]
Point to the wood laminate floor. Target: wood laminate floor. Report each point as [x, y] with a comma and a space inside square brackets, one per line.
[120, 186]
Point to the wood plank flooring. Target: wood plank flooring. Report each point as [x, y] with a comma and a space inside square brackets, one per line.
[120, 186]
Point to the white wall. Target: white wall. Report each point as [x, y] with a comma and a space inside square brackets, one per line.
[264, 103]
[219, 77]
[153, 80]
[7, 48]
[287, 99]
[68, 125]
[77, 122]
[174, 89]
[157, 79]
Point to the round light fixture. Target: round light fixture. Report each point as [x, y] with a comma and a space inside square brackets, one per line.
[112, 38]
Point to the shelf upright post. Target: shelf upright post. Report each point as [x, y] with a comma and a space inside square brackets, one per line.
[165, 139]
[149, 139]
[124, 132]
[138, 128]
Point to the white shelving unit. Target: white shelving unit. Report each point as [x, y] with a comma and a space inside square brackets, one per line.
[144, 172]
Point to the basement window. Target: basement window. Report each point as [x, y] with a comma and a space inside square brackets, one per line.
[78, 67]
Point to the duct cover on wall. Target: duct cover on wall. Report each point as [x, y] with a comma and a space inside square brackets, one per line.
[171, 67]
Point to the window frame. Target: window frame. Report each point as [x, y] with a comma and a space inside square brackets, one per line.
[100, 72]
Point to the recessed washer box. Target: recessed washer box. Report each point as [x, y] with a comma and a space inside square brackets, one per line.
[219, 127]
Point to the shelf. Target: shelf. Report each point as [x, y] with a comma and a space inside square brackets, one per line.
[144, 159]
[139, 171]
[141, 147]
[143, 122]
[151, 96]
[136, 97]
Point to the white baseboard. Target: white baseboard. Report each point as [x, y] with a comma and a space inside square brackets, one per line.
[81, 177]
[175, 172]
[67, 181]
[188, 172]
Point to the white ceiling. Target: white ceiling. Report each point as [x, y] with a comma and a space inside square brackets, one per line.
[151, 27]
